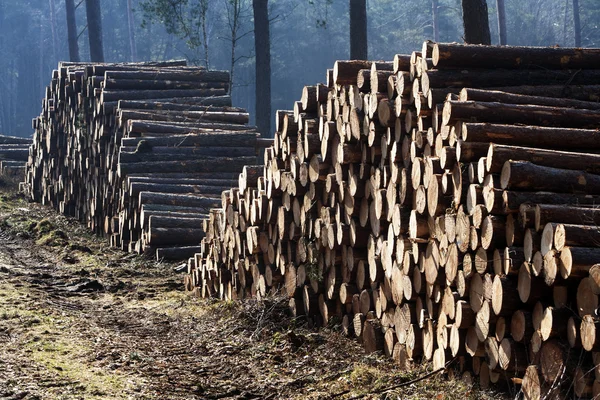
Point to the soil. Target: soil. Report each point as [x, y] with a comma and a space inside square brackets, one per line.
[81, 320]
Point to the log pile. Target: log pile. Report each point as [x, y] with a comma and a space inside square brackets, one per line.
[140, 152]
[440, 207]
[13, 156]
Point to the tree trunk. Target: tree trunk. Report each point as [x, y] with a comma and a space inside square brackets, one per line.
[475, 22]
[72, 31]
[262, 46]
[131, 24]
[576, 23]
[435, 19]
[358, 30]
[501, 21]
[94, 20]
[53, 28]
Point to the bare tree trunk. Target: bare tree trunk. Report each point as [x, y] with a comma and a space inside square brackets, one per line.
[576, 23]
[131, 23]
[94, 20]
[566, 21]
[72, 31]
[358, 30]
[233, 16]
[53, 27]
[501, 21]
[262, 46]
[435, 17]
[475, 22]
[204, 11]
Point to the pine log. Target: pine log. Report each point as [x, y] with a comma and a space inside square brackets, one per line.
[500, 78]
[532, 136]
[234, 139]
[512, 200]
[185, 200]
[219, 164]
[453, 55]
[545, 213]
[525, 175]
[176, 253]
[174, 236]
[498, 154]
[468, 94]
[527, 114]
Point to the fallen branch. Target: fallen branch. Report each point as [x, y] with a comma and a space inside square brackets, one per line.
[397, 386]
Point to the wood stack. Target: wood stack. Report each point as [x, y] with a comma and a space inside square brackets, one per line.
[13, 156]
[140, 152]
[440, 207]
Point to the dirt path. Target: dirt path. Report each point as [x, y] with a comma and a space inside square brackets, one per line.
[81, 320]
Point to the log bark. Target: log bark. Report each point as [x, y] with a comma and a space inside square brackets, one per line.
[524, 175]
[493, 112]
[532, 136]
[460, 56]
[176, 253]
[475, 22]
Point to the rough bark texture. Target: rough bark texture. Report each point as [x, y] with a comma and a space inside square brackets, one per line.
[262, 45]
[94, 20]
[131, 26]
[435, 19]
[576, 23]
[358, 30]
[72, 31]
[501, 21]
[475, 22]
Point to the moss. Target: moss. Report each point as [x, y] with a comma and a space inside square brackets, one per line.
[44, 227]
[54, 239]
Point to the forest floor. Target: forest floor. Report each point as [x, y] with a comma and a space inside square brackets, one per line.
[80, 320]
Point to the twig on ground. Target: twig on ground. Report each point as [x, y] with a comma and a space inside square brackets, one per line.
[397, 386]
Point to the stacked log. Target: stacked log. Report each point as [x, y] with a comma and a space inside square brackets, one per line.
[13, 156]
[437, 208]
[140, 152]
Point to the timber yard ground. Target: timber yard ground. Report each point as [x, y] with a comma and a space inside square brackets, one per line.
[80, 320]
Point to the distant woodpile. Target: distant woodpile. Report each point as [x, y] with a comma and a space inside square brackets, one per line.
[443, 206]
[13, 156]
[140, 152]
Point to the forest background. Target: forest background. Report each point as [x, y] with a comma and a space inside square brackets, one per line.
[306, 37]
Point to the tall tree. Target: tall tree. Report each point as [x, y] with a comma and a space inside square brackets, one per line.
[53, 28]
[131, 24]
[358, 30]
[475, 22]
[72, 31]
[262, 48]
[501, 21]
[234, 21]
[94, 20]
[576, 23]
[435, 5]
[203, 13]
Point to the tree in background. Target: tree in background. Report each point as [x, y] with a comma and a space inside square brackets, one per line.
[475, 22]
[500, 11]
[236, 13]
[72, 31]
[435, 5]
[53, 29]
[358, 30]
[262, 48]
[576, 23]
[94, 20]
[300, 48]
[185, 19]
[131, 26]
